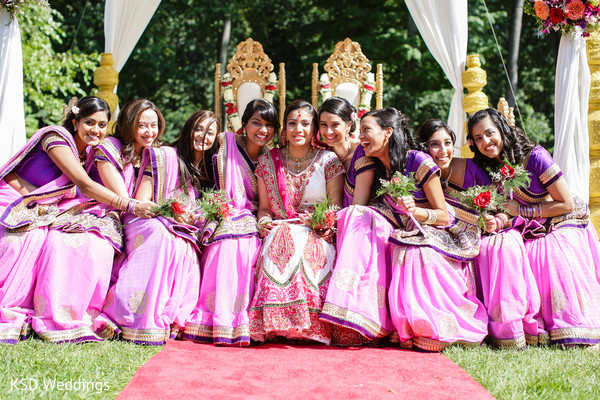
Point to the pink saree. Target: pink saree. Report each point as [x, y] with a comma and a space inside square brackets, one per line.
[158, 273]
[24, 226]
[231, 248]
[75, 263]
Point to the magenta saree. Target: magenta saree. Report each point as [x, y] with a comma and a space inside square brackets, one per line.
[230, 251]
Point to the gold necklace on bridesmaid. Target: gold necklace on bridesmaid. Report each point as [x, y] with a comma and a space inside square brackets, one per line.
[298, 160]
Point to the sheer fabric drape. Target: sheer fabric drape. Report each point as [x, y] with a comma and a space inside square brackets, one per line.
[12, 115]
[444, 28]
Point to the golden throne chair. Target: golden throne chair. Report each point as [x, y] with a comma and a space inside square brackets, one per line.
[249, 76]
[348, 75]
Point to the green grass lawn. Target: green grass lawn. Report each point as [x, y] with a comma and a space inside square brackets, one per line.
[29, 370]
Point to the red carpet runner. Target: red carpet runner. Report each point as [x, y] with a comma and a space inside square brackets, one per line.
[279, 371]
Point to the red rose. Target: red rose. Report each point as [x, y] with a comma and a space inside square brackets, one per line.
[230, 110]
[361, 113]
[483, 199]
[177, 208]
[225, 84]
[224, 210]
[326, 86]
[270, 87]
[507, 171]
[396, 179]
[556, 15]
[369, 87]
[330, 218]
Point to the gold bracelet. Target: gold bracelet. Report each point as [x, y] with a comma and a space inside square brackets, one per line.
[431, 217]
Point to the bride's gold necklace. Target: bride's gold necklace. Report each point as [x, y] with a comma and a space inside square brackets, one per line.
[298, 160]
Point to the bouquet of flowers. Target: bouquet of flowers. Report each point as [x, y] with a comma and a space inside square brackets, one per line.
[366, 94]
[230, 107]
[271, 87]
[214, 205]
[483, 199]
[580, 16]
[399, 186]
[510, 177]
[171, 208]
[323, 217]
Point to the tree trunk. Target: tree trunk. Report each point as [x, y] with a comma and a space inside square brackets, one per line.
[513, 52]
[224, 44]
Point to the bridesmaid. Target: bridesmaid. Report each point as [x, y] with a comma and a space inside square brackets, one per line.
[159, 273]
[559, 241]
[356, 297]
[431, 297]
[295, 262]
[37, 192]
[231, 247]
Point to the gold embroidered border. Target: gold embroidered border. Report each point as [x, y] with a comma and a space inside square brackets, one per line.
[50, 139]
[161, 172]
[574, 333]
[436, 345]
[114, 152]
[109, 332]
[354, 318]
[516, 343]
[424, 168]
[241, 226]
[145, 335]
[363, 162]
[222, 159]
[108, 226]
[463, 215]
[10, 334]
[527, 198]
[549, 174]
[69, 334]
[211, 332]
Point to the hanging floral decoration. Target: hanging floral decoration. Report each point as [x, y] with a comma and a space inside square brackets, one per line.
[366, 95]
[579, 16]
[325, 87]
[230, 104]
[271, 87]
[14, 6]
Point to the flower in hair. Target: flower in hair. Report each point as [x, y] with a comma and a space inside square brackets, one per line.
[75, 110]
[353, 116]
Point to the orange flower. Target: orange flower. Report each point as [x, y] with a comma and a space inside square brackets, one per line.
[541, 9]
[575, 10]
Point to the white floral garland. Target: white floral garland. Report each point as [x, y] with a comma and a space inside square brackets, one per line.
[230, 103]
[325, 87]
[271, 87]
[366, 93]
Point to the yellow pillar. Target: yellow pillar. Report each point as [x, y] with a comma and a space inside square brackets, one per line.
[107, 78]
[474, 79]
[593, 54]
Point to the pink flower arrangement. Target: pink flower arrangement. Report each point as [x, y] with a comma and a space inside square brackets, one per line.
[580, 16]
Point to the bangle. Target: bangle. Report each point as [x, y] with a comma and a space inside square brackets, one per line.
[431, 217]
[502, 218]
[540, 210]
[499, 223]
[113, 199]
[265, 219]
[131, 206]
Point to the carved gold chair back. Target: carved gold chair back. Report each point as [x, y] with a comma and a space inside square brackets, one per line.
[249, 76]
[348, 74]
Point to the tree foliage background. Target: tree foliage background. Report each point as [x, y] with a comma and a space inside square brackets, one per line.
[173, 63]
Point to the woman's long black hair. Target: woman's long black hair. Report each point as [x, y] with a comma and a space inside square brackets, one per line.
[86, 106]
[400, 143]
[516, 146]
[201, 176]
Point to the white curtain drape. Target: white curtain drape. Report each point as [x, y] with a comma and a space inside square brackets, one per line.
[12, 114]
[124, 23]
[444, 28]
[572, 88]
